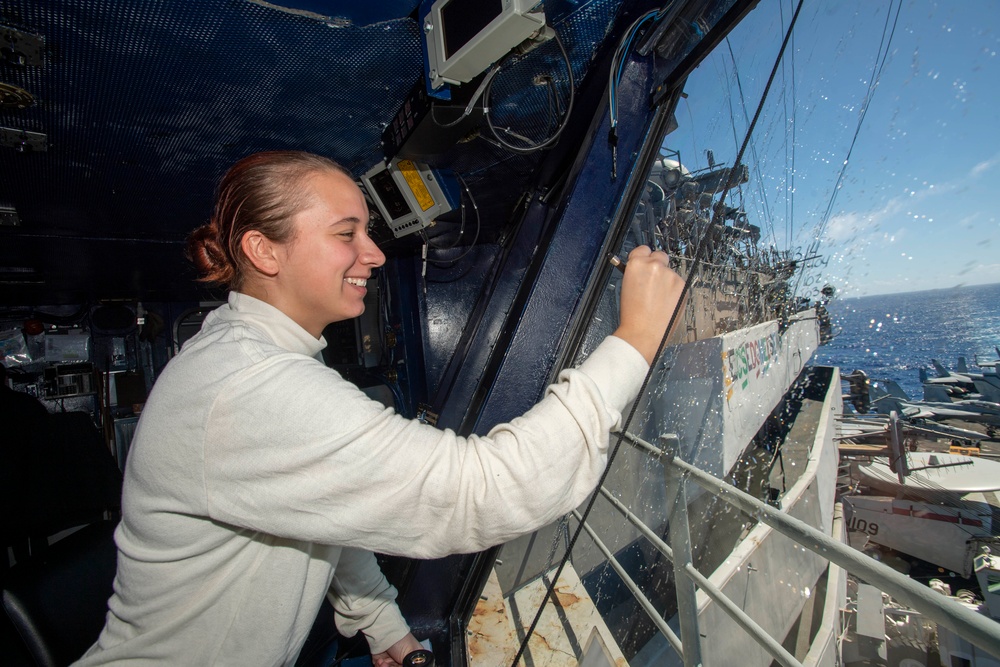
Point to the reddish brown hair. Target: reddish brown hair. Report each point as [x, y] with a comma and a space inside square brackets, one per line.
[261, 192]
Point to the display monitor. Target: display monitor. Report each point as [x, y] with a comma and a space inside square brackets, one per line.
[464, 37]
[409, 195]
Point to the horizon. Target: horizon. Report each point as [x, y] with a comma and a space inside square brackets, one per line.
[875, 146]
[855, 297]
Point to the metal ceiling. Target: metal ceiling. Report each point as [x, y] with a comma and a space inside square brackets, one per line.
[123, 116]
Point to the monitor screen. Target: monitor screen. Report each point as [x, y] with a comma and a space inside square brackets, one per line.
[388, 193]
[462, 20]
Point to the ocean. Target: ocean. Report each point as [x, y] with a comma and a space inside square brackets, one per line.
[891, 337]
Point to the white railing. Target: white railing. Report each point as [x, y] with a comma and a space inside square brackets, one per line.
[976, 628]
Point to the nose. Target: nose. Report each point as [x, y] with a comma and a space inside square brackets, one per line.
[371, 254]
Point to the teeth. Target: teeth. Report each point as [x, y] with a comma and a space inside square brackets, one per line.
[360, 282]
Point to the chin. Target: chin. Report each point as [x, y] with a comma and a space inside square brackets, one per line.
[350, 315]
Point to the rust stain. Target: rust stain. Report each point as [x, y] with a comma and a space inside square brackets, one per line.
[565, 598]
[549, 648]
[486, 607]
[544, 641]
[480, 643]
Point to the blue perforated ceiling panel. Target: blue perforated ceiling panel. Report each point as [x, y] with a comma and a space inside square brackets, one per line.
[142, 105]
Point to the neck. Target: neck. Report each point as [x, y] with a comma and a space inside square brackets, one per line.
[267, 293]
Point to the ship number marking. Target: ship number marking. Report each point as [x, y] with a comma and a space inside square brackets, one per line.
[861, 526]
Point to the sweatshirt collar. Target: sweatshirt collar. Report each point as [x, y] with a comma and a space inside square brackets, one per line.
[275, 324]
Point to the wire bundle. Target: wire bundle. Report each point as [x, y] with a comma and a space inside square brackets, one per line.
[526, 144]
[618, 61]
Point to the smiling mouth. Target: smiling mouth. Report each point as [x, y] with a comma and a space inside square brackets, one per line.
[358, 282]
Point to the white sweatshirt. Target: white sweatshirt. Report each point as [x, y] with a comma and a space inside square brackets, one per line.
[259, 479]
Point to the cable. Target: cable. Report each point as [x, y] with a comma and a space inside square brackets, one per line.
[753, 146]
[461, 232]
[550, 591]
[487, 80]
[872, 84]
[618, 61]
[472, 244]
[615, 75]
[617, 66]
[552, 97]
[790, 164]
[531, 147]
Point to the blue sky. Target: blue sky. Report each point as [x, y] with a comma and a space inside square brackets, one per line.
[917, 206]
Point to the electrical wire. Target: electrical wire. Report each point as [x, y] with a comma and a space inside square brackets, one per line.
[552, 97]
[618, 61]
[530, 146]
[487, 80]
[790, 146]
[615, 75]
[479, 225]
[880, 57]
[698, 258]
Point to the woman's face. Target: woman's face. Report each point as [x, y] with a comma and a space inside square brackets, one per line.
[325, 267]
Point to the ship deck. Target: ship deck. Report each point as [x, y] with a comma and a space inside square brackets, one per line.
[860, 437]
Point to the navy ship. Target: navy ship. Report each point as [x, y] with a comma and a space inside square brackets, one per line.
[511, 152]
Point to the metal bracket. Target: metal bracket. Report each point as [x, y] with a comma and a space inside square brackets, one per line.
[23, 141]
[9, 217]
[21, 48]
[669, 446]
[425, 415]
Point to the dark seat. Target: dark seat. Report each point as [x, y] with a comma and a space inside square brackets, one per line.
[55, 606]
[59, 475]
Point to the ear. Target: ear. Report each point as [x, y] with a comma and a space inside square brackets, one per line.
[261, 251]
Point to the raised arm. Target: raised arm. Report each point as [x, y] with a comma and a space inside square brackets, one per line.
[651, 291]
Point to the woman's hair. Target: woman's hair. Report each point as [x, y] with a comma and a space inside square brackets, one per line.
[261, 192]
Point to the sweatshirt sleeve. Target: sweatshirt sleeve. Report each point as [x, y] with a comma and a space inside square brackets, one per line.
[294, 450]
[363, 601]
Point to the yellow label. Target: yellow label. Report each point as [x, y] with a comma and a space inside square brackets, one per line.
[417, 186]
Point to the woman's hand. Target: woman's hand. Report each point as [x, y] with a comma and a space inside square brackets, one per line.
[393, 656]
[651, 291]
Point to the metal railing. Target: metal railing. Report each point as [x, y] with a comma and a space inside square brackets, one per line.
[976, 628]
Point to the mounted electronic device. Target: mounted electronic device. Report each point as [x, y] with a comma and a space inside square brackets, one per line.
[410, 195]
[464, 37]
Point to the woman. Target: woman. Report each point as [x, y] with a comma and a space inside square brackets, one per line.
[259, 480]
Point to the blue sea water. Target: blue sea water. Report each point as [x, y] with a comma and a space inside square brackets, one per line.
[892, 336]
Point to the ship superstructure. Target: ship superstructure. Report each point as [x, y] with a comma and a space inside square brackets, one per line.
[507, 151]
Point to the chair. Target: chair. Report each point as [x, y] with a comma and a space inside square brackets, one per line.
[56, 605]
[56, 474]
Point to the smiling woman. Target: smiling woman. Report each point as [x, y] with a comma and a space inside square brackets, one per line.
[291, 229]
[289, 237]
[259, 480]
[261, 192]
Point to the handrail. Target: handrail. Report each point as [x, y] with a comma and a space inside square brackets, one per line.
[748, 624]
[974, 627]
[633, 588]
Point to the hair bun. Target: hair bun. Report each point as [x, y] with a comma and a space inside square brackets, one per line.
[205, 251]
